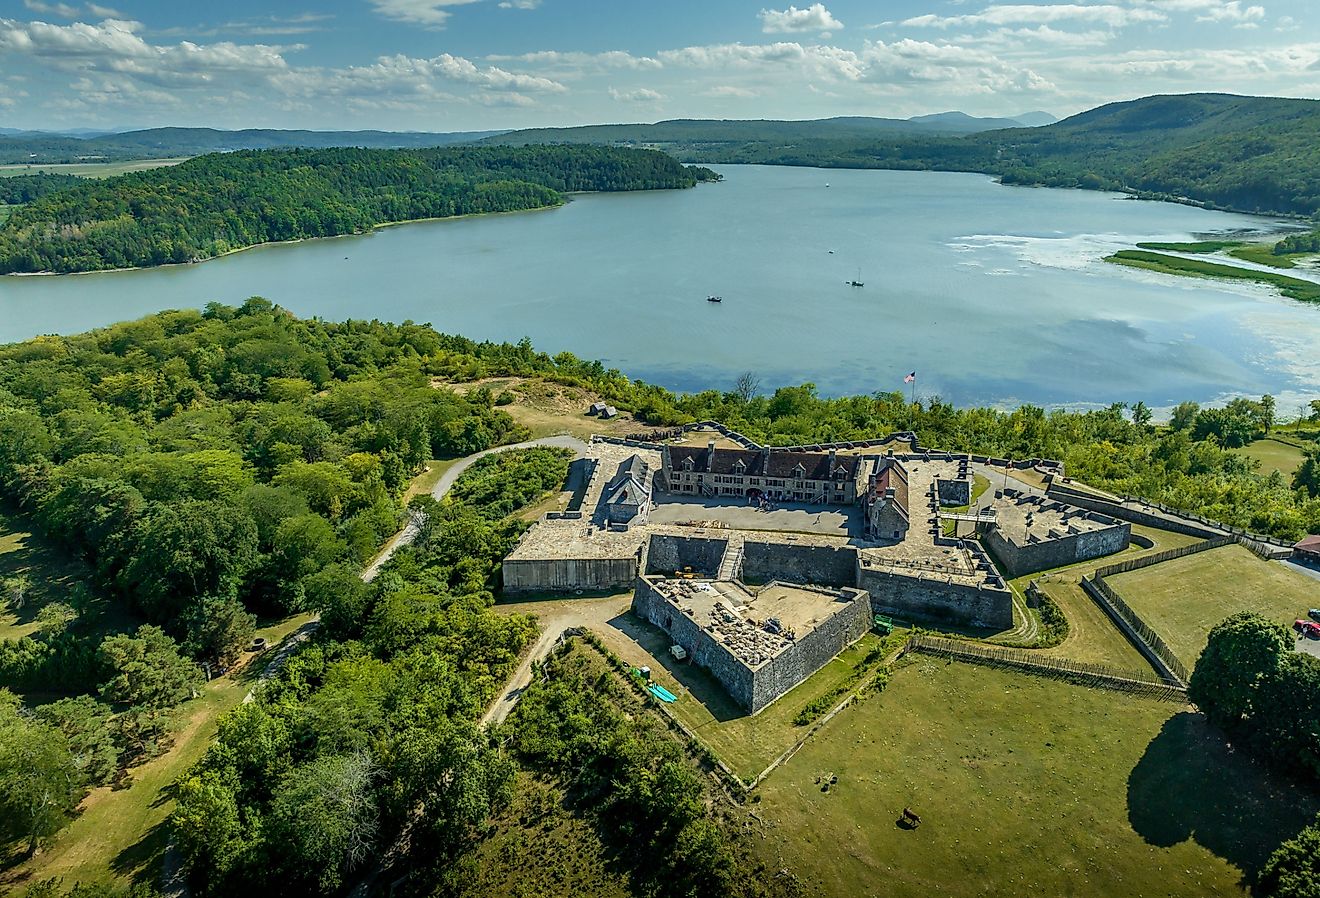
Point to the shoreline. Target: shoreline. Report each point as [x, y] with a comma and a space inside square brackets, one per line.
[269, 243]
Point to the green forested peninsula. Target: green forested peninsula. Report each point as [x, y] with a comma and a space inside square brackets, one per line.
[1252, 154]
[217, 203]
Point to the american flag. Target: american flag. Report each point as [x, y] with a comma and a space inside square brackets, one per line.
[911, 377]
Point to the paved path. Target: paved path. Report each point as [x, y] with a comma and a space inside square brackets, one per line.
[447, 481]
[555, 617]
[287, 645]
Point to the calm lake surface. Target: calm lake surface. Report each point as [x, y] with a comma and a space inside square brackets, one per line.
[992, 294]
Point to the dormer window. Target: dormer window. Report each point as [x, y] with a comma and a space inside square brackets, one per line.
[687, 464]
[739, 466]
[799, 472]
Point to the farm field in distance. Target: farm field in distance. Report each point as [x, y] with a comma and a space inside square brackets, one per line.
[88, 169]
[1184, 598]
[1025, 786]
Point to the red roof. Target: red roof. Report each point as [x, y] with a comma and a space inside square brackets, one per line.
[1309, 544]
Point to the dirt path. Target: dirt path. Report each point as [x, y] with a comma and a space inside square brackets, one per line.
[555, 616]
[447, 481]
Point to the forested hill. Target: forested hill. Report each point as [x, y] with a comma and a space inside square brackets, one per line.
[161, 143]
[217, 203]
[1253, 154]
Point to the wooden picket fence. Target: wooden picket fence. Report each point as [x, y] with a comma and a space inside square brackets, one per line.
[1080, 672]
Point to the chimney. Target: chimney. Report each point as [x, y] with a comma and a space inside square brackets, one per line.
[833, 455]
[710, 454]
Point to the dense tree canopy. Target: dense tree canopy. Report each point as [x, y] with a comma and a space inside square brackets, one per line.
[213, 204]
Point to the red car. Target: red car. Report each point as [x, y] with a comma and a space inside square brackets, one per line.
[1307, 628]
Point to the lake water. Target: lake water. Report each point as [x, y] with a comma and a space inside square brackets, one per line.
[992, 294]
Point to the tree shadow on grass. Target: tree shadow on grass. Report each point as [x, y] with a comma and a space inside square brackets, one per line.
[141, 861]
[1193, 784]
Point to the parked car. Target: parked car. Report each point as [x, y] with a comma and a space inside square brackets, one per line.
[1309, 629]
[1314, 614]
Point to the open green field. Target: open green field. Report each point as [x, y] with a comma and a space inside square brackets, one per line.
[1092, 637]
[747, 744]
[5, 212]
[1025, 786]
[47, 569]
[119, 834]
[1293, 288]
[88, 169]
[1184, 598]
[1274, 456]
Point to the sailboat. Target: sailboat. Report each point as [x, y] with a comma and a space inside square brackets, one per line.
[856, 282]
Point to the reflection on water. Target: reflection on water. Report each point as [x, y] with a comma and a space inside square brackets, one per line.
[992, 294]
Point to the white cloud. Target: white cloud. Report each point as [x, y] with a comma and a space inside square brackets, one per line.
[430, 13]
[578, 61]
[728, 90]
[104, 12]
[63, 10]
[519, 4]
[1233, 11]
[1037, 14]
[793, 20]
[639, 95]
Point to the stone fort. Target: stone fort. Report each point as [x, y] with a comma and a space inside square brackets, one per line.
[764, 562]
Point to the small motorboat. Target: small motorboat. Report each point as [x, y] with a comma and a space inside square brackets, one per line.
[714, 299]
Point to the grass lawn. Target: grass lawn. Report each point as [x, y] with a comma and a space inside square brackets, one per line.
[120, 833]
[88, 169]
[426, 481]
[1091, 636]
[1293, 288]
[1025, 786]
[48, 569]
[747, 744]
[1184, 598]
[1274, 456]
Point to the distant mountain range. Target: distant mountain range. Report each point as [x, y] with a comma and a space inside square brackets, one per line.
[1252, 154]
[160, 143]
[80, 145]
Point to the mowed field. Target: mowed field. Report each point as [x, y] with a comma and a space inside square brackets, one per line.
[88, 169]
[1025, 786]
[1184, 598]
[1274, 456]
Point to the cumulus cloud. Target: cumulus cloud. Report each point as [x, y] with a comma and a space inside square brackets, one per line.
[573, 60]
[728, 90]
[428, 13]
[63, 10]
[639, 95]
[1035, 14]
[519, 4]
[793, 20]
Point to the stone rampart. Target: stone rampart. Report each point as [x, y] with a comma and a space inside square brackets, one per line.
[538, 575]
[1056, 551]
[764, 561]
[849, 619]
[702, 649]
[666, 554]
[928, 596]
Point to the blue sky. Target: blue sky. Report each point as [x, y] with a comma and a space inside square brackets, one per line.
[445, 65]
